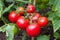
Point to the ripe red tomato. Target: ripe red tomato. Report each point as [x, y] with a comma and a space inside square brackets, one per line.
[36, 17]
[33, 30]
[13, 16]
[21, 10]
[43, 21]
[30, 8]
[22, 23]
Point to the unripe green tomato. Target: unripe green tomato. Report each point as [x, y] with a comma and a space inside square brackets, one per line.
[42, 6]
[44, 1]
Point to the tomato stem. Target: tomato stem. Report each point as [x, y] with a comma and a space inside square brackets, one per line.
[24, 35]
[31, 21]
[24, 1]
[32, 38]
[17, 11]
[27, 16]
[4, 20]
[34, 2]
[30, 1]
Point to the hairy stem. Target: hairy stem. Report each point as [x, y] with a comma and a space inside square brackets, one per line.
[34, 2]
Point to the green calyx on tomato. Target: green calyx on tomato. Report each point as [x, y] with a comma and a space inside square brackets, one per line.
[20, 10]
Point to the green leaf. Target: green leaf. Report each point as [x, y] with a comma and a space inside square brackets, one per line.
[38, 1]
[56, 7]
[51, 16]
[3, 28]
[29, 1]
[42, 6]
[56, 25]
[57, 12]
[43, 37]
[8, 8]
[1, 8]
[56, 35]
[5, 20]
[55, 15]
[55, 21]
[10, 30]
[51, 2]
[10, 1]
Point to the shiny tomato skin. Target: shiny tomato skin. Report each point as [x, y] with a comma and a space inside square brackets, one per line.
[30, 8]
[36, 17]
[13, 16]
[22, 23]
[21, 9]
[43, 21]
[33, 30]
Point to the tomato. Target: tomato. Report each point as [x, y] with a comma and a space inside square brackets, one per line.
[22, 23]
[20, 10]
[43, 21]
[36, 17]
[30, 8]
[13, 16]
[33, 30]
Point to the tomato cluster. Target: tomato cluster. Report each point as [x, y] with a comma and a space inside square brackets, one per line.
[32, 22]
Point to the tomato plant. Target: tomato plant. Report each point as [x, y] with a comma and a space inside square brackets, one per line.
[30, 19]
